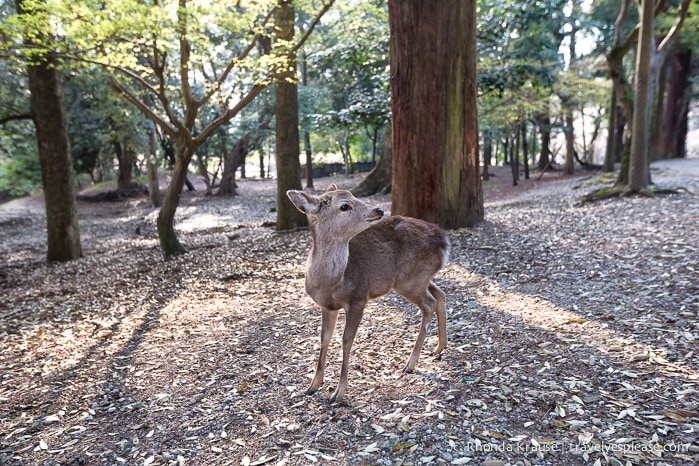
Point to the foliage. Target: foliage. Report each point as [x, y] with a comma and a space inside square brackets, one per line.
[348, 73]
[20, 172]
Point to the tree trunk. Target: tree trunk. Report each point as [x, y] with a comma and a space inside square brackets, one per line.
[286, 110]
[545, 154]
[638, 160]
[235, 159]
[48, 110]
[435, 122]
[166, 217]
[379, 179]
[125, 157]
[569, 166]
[674, 127]
[153, 183]
[514, 157]
[525, 148]
[48, 113]
[487, 154]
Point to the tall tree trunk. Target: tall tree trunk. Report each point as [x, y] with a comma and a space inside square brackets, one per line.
[435, 122]
[48, 112]
[169, 243]
[525, 148]
[153, 183]
[569, 166]
[638, 159]
[286, 110]
[514, 156]
[674, 127]
[487, 153]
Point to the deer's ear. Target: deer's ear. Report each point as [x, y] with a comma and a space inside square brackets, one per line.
[332, 187]
[303, 201]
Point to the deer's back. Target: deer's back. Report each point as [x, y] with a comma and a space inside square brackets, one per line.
[395, 252]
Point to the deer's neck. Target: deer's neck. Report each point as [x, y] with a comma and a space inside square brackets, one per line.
[327, 262]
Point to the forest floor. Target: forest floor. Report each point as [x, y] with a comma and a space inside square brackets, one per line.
[573, 338]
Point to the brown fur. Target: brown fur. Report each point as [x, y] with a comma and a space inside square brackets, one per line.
[356, 256]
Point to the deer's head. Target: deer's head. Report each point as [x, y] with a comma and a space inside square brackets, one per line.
[335, 212]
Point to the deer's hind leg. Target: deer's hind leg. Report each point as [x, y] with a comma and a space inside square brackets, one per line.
[441, 298]
[427, 304]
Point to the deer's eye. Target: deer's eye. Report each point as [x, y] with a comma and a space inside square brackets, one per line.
[345, 207]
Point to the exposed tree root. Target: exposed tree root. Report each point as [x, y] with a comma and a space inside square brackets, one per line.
[624, 191]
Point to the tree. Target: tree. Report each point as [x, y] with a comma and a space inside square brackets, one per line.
[286, 110]
[48, 112]
[433, 101]
[178, 60]
[648, 63]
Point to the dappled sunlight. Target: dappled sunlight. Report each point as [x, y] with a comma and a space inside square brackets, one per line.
[569, 323]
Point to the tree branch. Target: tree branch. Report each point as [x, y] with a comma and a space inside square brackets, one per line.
[20, 116]
[114, 84]
[314, 23]
[674, 31]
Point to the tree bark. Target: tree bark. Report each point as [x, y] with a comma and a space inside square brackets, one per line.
[545, 154]
[286, 109]
[487, 153]
[166, 217]
[435, 122]
[48, 112]
[63, 231]
[674, 126]
[638, 159]
[569, 166]
[151, 163]
[235, 159]
[125, 157]
[525, 148]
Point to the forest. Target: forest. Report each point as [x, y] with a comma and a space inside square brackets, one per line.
[153, 269]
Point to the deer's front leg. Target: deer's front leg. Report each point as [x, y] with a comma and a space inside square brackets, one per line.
[353, 316]
[326, 334]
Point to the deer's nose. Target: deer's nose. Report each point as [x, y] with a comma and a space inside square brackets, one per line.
[379, 212]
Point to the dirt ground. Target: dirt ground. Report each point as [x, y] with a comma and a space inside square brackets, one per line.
[573, 338]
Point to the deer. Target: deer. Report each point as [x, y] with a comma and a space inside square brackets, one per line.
[358, 254]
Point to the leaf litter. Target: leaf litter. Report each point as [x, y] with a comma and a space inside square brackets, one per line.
[573, 340]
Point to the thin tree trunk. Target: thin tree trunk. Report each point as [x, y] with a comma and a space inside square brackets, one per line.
[569, 167]
[153, 183]
[525, 152]
[287, 131]
[166, 217]
[487, 154]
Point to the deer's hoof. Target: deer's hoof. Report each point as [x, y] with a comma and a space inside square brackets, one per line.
[408, 370]
[311, 391]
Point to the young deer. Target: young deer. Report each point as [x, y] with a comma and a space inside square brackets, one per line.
[358, 255]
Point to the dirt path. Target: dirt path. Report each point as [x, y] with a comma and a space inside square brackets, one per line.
[573, 340]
